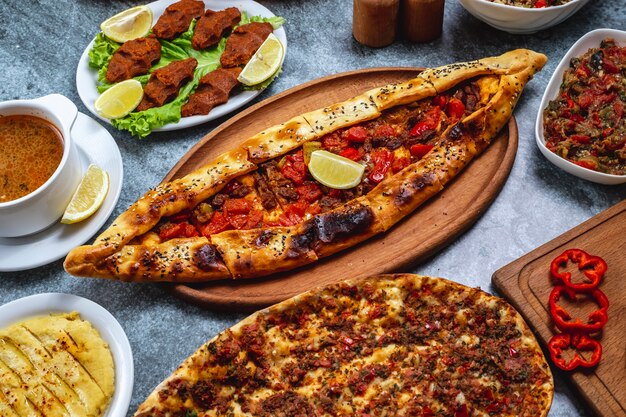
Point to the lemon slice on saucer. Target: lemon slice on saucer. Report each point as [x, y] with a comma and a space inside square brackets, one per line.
[264, 63]
[130, 24]
[120, 99]
[89, 196]
[335, 171]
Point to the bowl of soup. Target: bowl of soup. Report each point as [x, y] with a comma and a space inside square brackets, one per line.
[39, 164]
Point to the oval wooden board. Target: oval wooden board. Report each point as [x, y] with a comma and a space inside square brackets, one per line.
[432, 227]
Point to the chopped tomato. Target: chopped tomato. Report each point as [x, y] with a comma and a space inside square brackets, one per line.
[218, 223]
[440, 101]
[584, 100]
[356, 134]
[309, 192]
[236, 206]
[298, 208]
[583, 71]
[609, 66]
[581, 138]
[399, 164]
[335, 193]
[586, 164]
[289, 219]
[430, 121]
[385, 131]
[382, 159]
[351, 153]
[419, 150]
[295, 168]
[238, 221]
[540, 3]
[455, 108]
[171, 231]
[333, 140]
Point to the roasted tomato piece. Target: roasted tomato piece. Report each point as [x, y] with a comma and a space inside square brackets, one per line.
[455, 108]
[351, 153]
[399, 164]
[420, 149]
[385, 131]
[218, 223]
[295, 168]
[236, 206]
[382, 159]
[357, 134]
[309, 192]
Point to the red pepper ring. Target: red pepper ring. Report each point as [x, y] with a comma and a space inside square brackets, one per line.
[593, 267]
[582, 343]
[563, 320]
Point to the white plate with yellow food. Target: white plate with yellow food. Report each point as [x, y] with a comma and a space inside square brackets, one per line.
[63, 353]
[87, 76]
[95, 145]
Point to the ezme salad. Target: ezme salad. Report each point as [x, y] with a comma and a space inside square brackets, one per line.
[585, 124]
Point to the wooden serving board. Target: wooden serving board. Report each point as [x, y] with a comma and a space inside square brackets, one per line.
[526, 283]
[432, 227]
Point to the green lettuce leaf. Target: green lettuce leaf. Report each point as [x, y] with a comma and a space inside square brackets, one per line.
[102, 51]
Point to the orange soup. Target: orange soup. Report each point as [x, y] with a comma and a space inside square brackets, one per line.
[31, 149]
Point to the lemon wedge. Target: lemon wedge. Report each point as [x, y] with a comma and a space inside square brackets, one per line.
[335, 171]
[89, 196]
[120, 99]
[130, 24]
[265, 62]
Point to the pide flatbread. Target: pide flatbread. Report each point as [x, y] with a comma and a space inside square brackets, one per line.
[401, 345]
[257, 210]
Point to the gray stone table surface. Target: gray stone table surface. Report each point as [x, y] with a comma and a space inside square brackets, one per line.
[40, 45]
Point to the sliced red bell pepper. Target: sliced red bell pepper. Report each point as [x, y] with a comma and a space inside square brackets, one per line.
[582, 343]
[564, 320]
[593, 267]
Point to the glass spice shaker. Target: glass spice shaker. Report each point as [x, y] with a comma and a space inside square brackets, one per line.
[374, 22]
[422, 20]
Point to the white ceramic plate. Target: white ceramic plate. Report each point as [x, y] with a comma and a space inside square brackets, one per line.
[109, 329]
[95, 145]
[87, 77]
[588, 41]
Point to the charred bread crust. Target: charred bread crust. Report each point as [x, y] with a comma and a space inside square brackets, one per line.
[502, 80]
[221, 351]
[177, 260]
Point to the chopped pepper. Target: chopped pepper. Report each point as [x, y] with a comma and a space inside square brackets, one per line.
[582, 343]
[593, 267]
[564, 321]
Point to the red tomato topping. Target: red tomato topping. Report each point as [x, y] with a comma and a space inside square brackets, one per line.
[356, 134]
[440, 101]
[171, 231]
[420, 149]
[218, 223]
[455, 108]
[295, 168]
[581, 138]
[586, 164]
[382, 159]
[236, 206]
[540, 3]
[333, 140]
[430, 121]
[351, 153]
[385, 131]
[309, 192]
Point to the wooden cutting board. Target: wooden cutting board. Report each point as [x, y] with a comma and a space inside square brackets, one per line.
[526, 283]
[429, 229]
